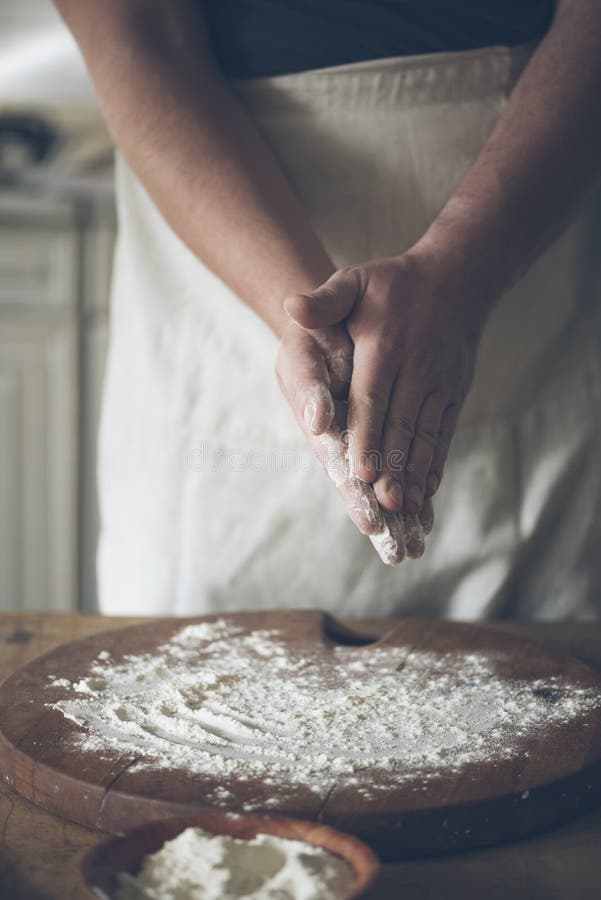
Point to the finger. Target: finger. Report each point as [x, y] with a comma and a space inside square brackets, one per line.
[337, 350]
[426, 516]
[304, 379]
[340, 367]
[328, 304]
[415, 538]
[422, 451]
[361, 505]
[390, 540]
[399, 431]
[441, 451]
[358, 497]
[369, 395]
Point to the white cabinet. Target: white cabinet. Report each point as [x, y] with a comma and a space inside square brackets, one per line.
[54, 274]
[37, 267]
[38, 464]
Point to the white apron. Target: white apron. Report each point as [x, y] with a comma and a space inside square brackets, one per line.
[210, 499]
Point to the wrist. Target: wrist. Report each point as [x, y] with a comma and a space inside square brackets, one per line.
[455, 261]
[291, 279]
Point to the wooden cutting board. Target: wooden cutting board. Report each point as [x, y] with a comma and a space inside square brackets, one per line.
[556, 776]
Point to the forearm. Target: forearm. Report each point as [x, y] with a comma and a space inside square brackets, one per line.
[196, 149]
[543, 155]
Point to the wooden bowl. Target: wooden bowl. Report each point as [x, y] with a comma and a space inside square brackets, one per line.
[124, 853]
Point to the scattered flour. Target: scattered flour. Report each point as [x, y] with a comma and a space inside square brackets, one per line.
[235, 706]
[199, 866]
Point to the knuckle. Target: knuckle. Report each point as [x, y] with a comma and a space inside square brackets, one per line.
[374, 399]
[386, 344]
[395, 461]
[436, 472]
[436, 398]
[368, 459]
[445, 437]
[453, 407]
[402, 426]
[418, 467]
[352, 271]
[328, 292]
[349, 277]
[428, 436]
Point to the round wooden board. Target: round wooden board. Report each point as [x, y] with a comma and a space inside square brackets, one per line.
[557, 777]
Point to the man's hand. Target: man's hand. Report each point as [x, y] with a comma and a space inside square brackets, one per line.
[414, 349]
[314, 371]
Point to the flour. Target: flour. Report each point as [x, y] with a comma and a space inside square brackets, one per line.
[390, 540]
[320, 406]
[397, 531]
[335, 458]
[234, 706]
[402, 534]
[199, 866]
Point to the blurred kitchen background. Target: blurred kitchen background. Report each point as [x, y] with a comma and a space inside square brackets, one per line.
[57, 228]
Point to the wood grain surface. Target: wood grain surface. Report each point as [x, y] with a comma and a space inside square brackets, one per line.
[40, 854]
[557, 776]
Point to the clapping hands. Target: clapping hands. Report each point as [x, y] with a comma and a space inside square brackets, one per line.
[376, 364]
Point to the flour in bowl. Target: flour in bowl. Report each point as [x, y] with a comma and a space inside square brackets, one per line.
[238, 706]
[197, 865]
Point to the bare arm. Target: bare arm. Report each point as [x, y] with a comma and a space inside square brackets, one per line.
[541, 158]
[196, 149]
[426, 308]
[218, 185]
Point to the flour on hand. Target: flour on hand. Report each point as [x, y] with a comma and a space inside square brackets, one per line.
[397, 532]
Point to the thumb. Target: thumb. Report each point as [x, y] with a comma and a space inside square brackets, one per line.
[326, 305]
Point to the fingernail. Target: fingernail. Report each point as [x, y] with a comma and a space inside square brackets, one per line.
[390, 541]
[396, 492]
[364, 501]
[415, 496]
[310, 415]
[431, 485]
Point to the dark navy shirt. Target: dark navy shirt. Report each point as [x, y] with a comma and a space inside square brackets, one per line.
[253, 38]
